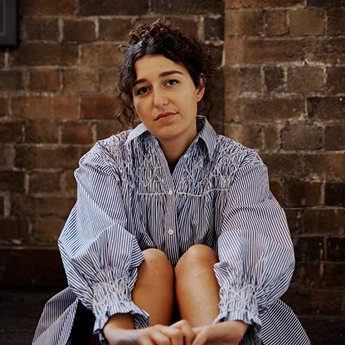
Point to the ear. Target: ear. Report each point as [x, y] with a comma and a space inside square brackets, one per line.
[201, 87]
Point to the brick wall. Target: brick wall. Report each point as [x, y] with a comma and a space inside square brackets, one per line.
[282, 85]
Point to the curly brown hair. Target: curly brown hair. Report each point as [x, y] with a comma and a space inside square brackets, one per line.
[162, 38]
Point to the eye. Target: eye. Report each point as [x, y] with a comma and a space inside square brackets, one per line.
[172, 82]
[142, 91]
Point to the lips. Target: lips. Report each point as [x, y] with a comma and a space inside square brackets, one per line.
[164, 115]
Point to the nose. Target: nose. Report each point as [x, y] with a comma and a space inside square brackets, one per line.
[160, 98]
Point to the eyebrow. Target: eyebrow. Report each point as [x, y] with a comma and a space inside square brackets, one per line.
[163, 74]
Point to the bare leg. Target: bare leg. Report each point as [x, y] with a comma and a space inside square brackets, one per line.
[196, 286]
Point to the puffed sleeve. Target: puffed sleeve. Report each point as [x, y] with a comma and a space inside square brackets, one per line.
[256, 257]
[100, 257]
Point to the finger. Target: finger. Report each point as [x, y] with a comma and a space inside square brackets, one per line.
[160, 338]
[174, 334]
[186, 329]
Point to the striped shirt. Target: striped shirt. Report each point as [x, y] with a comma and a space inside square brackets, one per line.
[128, 201]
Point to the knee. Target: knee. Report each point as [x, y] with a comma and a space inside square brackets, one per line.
[156, 263]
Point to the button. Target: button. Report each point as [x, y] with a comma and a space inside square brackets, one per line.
[170, 232]
[170, 192]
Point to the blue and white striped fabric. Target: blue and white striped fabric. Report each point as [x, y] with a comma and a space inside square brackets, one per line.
[128, 201]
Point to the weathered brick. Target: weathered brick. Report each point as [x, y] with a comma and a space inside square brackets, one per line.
[100, 55]
[336, 80]
[275, 23]
[102, 108]
[69, 182]
[309, 248]
[191, 27]
[254, 51]
[242, 80]
[336, 250]
[274, 79]
[305, 79]
[187, 6]
[14, 230]
[1, 201]
[107, 79]
[81, 30]
[295, 219]
[43, 131]
[38, 28]
[261, 3]
[79, 81]
[45, 54]
[76, 132]
[300, 193]
[281, 165]
[59, 157]
[11, 80]
[263, 109]
[44, 7]
[120, 7]
[238, 23]
[44, 182]
[335, 22]
[307, 22]
[113, 29]
[326, 4]
[324, 221]
[214, 28]
[3, 106]
[271, 135]
[335, 137]
[302, 137]
[107, 128]
[47, 230]
[248, 135]
[25, 157]
[327, 51]
[326, 108]
[11, 132]
[40, 107]
[44, 80]
[335, 194]
[330, 165]
[12, 181]
[276, 188]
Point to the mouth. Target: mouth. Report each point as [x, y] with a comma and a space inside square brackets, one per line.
[163, 116]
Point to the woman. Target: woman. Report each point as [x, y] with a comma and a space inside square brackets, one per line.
[171, 216]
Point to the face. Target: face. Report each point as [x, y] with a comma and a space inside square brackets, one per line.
[165, 99]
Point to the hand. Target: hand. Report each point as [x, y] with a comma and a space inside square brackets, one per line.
[179, 333]
[225, 333]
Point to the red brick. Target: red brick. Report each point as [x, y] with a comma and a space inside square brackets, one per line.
[38, 28]
[25, 157]
[277, 190]
[281, 165]
[44, 182]
[187, 6]
[238, 23]
[79, 81]
[39, 107]
[300, 193]
[330, 165]
[275, 23]
[327, 51]
[59, 157]
[77, 133]
[45, 54]
[11, 80]
[326, 108]
[11, 132]
[242, 80]
[12, 181]
[191, 27]
[335, 194]
[274, 79]
[305, 79]
[263, 109]
[14, 230]
[44, 80]
[80, 30]
[111, 29]
[102, 108]
[302, 137]
[102, 55]
[271, 135]
[107, 128]
[335, 137]
[214, 29]
[307, 22]
[107, 79]
[248, 135]
[254, 51]
[261, 3]
[335, 22]
[44, 7]
[69, 182]
[336, 80]
[107, 8]
[43, 131]
[6, 155]
[325, 221]
[3, 106]
[48, 230]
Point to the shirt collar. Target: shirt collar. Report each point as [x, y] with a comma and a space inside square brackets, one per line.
[205, 133]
